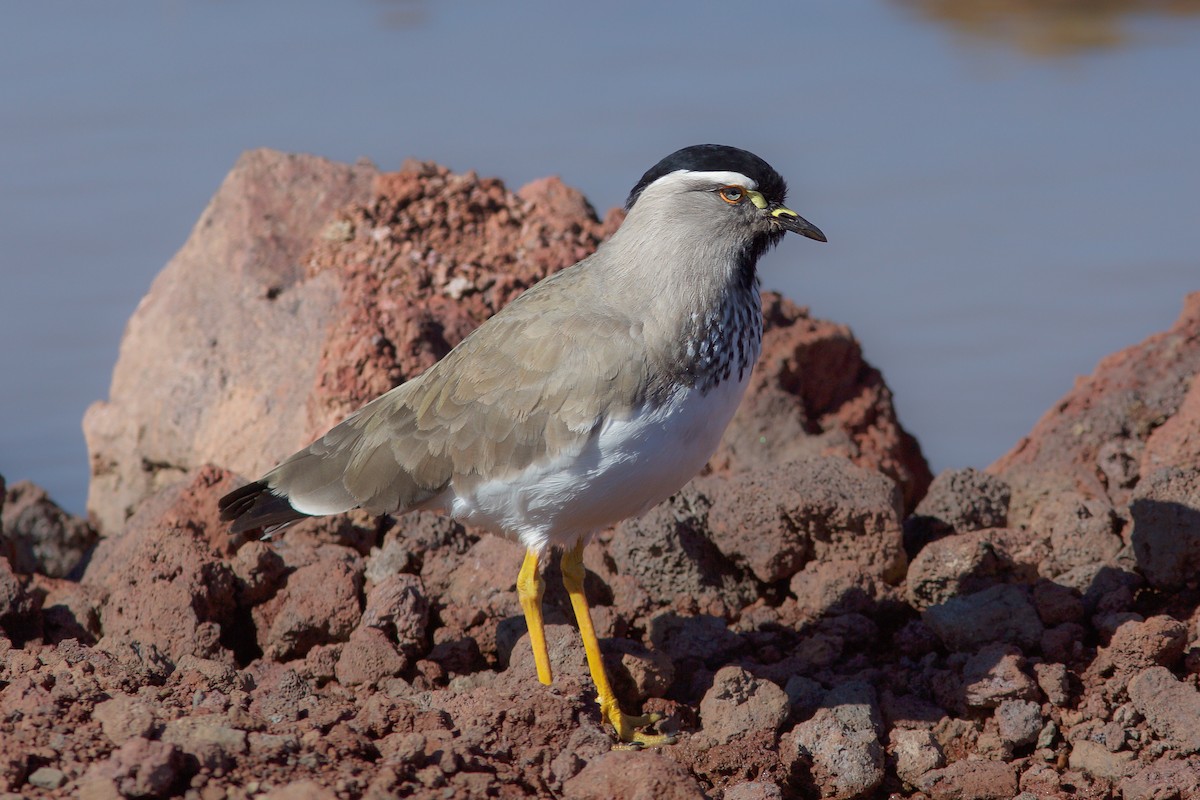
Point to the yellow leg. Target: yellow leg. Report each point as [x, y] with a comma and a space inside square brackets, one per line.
[529, 590]
[610, 710]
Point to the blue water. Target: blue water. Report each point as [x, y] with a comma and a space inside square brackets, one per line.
[998, 220]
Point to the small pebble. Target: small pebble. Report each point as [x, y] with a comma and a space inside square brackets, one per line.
[47, 778]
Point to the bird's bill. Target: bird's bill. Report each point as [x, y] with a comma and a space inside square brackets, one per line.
[791, 221]
[788, 220]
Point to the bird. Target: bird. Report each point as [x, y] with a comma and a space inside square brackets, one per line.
[590, 398]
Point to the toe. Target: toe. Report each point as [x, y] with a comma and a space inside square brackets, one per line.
[642, 740]
[643, 720]
[629, 738]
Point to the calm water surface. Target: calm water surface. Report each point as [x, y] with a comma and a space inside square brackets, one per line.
[1009, 195]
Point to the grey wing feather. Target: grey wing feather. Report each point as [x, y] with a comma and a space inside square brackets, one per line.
[528, 384]
[352, 465]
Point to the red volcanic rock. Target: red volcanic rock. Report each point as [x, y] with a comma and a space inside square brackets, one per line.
[398, 607]
[813, 394]
[433, 255]
[1177, 440]
[970, 780]
[165, 581]
[70, 610]
[668, 553]
[779, 519]
[139, 768]
[1093, 441]
[194, 383]
[19, 619]
[995, 674]
[1166, 526]
[958, 501]
[368, 657]
[738, 704]
[1163, 779]
[320, 602]
[37, 535]
[1138, 645]
[633, 775]
[842, 744]
[1170, 706]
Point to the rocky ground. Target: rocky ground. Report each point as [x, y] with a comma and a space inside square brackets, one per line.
[813, 616]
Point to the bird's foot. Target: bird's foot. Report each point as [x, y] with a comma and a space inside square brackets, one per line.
[628, 735]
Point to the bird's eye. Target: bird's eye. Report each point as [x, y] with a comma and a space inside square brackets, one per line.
[733, 194]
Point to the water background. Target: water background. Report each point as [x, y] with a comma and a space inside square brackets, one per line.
[1008, 195]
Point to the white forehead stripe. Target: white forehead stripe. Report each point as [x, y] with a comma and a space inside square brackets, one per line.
[720, 177]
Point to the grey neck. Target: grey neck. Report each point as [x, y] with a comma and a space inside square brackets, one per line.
[695, 297]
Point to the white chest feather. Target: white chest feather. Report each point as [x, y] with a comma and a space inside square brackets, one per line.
[628, 467]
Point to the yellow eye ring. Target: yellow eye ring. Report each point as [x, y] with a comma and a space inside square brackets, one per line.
[732, 194]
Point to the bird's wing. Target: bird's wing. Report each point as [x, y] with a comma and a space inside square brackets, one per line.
[534, 381]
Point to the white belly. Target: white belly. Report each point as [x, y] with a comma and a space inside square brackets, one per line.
[628, 467]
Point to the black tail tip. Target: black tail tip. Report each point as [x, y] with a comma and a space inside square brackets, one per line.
[239, 501]
[255, 507]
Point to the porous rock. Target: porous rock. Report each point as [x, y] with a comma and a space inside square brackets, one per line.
[1056, 603]
[916, 752]
[1138, 644]
[18, 607]
[704, 638]
[208, 738]
[478, 589]
[280, 693]
[965, 563]
[754, 790]
[375, 291]
[1018, 722]
[70, 610]
[368, 657]
[836, 587]
[776, 520]
[1000, 613]
[138, 768]
[995, 674]
[1171, 707]
[958, 501]
[260, 572]
[1099, 761]
[166, 584]
[398, 606]
[1082, 531]
[301, 790]
[37, 535]
[842, 741]
[638, 776]
[123, 718]
[1163, 779]
[635, 670]
[568, 660]
[739, 704]
[47, 778]
[321, 602]
[1166, 526]
[970, 780]
[670, 553]
[1092, 441]
[1052, 680]
[952, 566]
[1176, 441]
